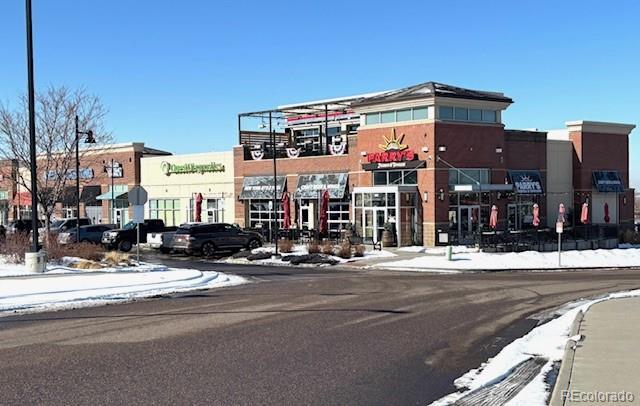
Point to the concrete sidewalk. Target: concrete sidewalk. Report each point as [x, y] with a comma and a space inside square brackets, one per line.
[606, 364]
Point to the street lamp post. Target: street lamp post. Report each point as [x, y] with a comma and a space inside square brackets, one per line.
[88, 140]
[32, 130]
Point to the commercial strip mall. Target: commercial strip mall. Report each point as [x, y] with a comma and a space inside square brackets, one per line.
[430, 160]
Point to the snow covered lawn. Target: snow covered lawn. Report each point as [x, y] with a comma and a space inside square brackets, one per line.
[469, 259]
[547, 340]
[62, 287]
[302, 250]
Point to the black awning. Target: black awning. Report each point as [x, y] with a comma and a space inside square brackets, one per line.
[261, 187]
[89, 194]
[607, 181]
[310, 186]
[526, 182]
[68, 197]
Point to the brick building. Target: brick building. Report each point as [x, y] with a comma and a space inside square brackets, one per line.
[107, 173]
[430, 161]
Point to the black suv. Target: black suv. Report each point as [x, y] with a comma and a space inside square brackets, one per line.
[209, 238]
[124, 238]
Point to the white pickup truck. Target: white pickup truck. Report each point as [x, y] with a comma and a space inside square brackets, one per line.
[162, 240]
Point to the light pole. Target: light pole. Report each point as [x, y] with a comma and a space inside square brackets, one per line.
[88, 140]
[32, 131]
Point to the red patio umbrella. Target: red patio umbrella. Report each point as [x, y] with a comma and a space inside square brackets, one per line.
[607, 219]
[198, 216]
[286, 207]
[493, 218]
[536, 215]
[584, 216]
[324, 215]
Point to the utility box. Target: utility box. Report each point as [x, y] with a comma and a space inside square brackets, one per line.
[35, 262]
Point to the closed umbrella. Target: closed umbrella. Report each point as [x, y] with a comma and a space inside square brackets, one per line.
[584, 215]
[198, 216]
[324, 215]
[536, 215]
[286, 223]
[493, 219]
[607, 219]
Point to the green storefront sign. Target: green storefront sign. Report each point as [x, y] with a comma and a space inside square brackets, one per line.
[169, 168]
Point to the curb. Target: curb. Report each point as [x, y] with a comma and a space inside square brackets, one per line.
[563, 381]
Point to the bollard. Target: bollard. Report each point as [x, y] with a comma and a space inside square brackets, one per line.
[449, 252]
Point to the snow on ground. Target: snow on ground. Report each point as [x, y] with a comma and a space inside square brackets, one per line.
[456, 249]
[473, 260]
[302, 250]
[547, 340]
[62, 287]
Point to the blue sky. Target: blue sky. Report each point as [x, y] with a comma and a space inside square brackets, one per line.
[174, 74]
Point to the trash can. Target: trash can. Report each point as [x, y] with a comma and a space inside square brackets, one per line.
[35, 262]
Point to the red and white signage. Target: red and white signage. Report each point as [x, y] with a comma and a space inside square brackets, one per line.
[393, 151]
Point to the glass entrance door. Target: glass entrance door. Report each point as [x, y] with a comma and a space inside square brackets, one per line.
[374, 219]
[469, 222]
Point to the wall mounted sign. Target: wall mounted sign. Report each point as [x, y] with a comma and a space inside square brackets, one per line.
[526, 182]
[169, 168]
[85, 173]
[116, 171]
[393, 151]
[608, 181]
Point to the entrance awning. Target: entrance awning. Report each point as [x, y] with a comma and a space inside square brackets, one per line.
[89, 195]
[118, 192]
[608, 181]
[310, 186]
[261, 187]
[526, 182]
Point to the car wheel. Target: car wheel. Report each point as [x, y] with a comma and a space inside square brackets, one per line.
[208, 249]
[254, 244]
[125, 246]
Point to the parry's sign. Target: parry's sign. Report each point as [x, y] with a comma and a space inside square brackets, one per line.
[169, 168]
[393, 151]
[526, 182]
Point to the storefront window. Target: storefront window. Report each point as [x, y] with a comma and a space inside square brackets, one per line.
[167, 210]
[406, 177]
[468, 176]
[338, 215]
[261, 214]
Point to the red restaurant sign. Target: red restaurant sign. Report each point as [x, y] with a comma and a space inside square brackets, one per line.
[391, 156]
[394, 151]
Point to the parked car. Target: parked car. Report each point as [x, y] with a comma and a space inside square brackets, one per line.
[61, 225]
[91, 233]
[124, 238]
[24, 226]
[208, 238]
[162, 240]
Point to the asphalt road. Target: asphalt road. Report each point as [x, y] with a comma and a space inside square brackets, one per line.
[295, 337]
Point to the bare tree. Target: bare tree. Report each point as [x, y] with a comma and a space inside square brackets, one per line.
[56, 109]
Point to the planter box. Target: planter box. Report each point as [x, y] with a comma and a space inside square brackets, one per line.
[568, 245]
[595, 244]
[609, 243]
[583, 245]
[549, 247]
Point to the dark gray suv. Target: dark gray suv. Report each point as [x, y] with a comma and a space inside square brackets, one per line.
[209, 238]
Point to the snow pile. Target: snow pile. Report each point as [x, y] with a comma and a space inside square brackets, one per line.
[61, 287]
[547, 340]
[620, 257]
